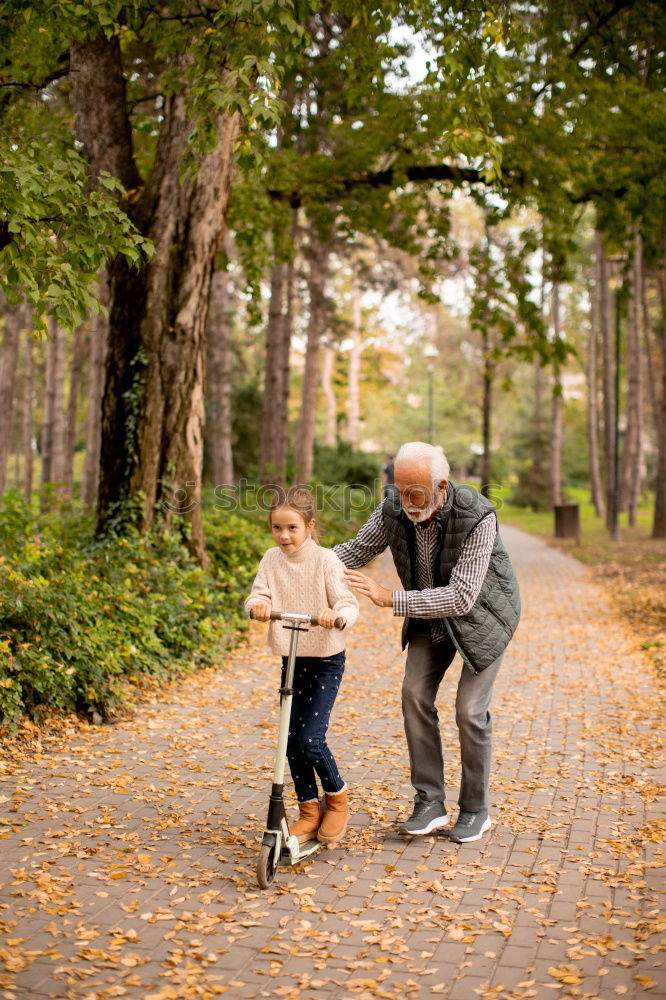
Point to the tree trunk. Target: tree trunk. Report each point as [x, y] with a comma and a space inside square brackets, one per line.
[282, 404]
[539, 491]
[659, 520]
[273, 372]
[557, 409]
[331, 421]
[152, 410]
[274, 442]
[353, 404]
[318, 255]
[608, 374]
[28, 407]
[651, 365]
[538, 476]
[14, 321]
[59, 346]
[487, 404]
[219, 363]
[80, 348]
[633, 460]
[53, 433]
[593, 400]
[47, 419]
[44, 379]
[98, 343]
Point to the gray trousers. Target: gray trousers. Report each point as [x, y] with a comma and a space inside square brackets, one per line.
[425, 667]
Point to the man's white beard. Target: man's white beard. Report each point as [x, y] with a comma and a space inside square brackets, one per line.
[423, 514]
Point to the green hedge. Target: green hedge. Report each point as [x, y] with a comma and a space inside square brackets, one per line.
[342, 465]
[83, 619]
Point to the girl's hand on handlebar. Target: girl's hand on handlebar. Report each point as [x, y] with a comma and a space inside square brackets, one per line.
[261, 612]
[327, 618]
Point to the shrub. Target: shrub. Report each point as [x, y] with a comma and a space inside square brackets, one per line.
[344, 510]
[81, 617]
[344, 465]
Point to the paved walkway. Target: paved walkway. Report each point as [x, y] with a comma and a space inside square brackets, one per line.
[128, 852]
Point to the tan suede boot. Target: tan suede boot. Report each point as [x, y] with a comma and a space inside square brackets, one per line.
[307, 824]
[336, 818]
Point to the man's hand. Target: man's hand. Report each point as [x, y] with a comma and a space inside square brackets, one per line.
[261, 612]
[327, 618]
[379, 595]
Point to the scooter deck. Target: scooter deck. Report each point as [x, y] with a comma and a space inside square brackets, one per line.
[304, 851]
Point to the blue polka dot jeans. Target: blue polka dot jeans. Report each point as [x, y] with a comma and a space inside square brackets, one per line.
[316, 683]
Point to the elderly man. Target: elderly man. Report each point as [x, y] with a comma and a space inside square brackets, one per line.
[460, 595]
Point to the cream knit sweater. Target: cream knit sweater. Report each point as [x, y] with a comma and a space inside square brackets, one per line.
[308, 580]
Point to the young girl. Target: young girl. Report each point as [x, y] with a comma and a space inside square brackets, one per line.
[299, 575]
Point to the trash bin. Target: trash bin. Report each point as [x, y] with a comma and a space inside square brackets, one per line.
[567, 520]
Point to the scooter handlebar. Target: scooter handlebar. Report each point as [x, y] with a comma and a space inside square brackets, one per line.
[277, 616]
[338, 623]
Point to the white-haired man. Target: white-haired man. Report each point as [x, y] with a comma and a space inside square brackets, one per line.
[460, 595]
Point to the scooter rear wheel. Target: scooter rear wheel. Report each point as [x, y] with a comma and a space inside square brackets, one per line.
[266, 865]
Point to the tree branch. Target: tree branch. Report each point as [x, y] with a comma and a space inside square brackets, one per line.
[601, 21]
[618, 6]
[5, 236]
[419, 173]
[142, 100]
[57, 74]
[386, 178]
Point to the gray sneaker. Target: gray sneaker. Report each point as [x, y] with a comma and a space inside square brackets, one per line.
[426, 817]
[470, 826]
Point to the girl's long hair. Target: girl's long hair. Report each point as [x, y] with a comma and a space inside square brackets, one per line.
[298, 498]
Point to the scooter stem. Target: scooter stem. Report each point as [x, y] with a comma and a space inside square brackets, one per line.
[285, 709]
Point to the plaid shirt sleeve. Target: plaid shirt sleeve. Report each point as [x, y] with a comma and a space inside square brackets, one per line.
[370, 540]
[460, 594]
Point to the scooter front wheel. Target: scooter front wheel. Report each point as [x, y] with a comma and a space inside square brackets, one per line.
[267, 863]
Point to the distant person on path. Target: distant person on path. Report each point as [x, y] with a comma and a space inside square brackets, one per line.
[460, 594]
[301, 576]
[389, 476]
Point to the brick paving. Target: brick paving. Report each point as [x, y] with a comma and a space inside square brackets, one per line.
[128, 851]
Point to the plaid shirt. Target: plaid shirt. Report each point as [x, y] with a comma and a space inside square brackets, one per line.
[428, 601]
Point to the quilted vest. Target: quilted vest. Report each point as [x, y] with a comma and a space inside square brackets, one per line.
[484, 632]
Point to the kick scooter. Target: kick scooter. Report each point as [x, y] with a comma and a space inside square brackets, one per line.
[277, 839]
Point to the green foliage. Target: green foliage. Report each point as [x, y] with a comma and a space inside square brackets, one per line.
[56, 230]
[246, 425]
[344, 465]
[505, 310]
[60, 232]
[532, 485]
[342, 511]
[82, 618]
[251, 216]
[354, 124]
[236, 65]
[582, 119]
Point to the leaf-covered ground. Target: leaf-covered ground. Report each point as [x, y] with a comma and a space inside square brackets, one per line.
[635, 572]
[128, 852]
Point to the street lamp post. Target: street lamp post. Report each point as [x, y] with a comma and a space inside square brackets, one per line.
[431, 354]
